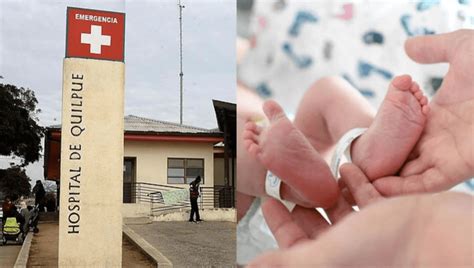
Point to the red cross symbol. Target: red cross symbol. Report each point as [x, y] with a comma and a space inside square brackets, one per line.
[95, 34]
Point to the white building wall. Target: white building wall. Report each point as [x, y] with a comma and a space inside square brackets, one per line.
[152, 159]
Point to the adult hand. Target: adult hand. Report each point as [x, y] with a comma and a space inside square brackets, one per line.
[415, 231]
[444, 155]
[307, 223]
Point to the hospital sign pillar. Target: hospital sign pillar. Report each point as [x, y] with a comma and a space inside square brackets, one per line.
[90, 222]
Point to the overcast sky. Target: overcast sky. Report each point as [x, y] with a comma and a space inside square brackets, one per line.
[32, 49]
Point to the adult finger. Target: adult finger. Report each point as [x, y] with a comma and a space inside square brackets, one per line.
[271, 259]
[302, 256]
[415, 166]
[310, 221]
[432, 180]
[433, 48]
[339, 211]
[243, 204]
[279, 220]
[348, 196]
[310, 254]
[361, 188]
[346, 193]
[291, 194]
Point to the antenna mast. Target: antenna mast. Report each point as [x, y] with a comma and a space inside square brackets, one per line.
[180, 62]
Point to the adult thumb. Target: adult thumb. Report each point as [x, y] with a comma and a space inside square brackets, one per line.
[434, 48]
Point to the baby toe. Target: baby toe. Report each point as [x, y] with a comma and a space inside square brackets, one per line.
[250, 125]
[402, 82]
[254, 149]
[415, 87]
[425, 109]
[423, 100]
[273, 110]
[419, 95]
[249, 135]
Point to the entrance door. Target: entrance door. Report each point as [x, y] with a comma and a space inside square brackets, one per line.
[129, 172]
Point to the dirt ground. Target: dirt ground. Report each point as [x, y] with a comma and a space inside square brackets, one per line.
[44, 249]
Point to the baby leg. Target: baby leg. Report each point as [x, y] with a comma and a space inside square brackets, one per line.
[329, 109]
[385, 147]
[286, 152]
[332, 107]
[291, 151]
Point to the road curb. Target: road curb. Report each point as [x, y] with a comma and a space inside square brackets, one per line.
[23, 255]
[147, 248]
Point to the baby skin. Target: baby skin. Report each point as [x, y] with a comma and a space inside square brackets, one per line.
[293, 152]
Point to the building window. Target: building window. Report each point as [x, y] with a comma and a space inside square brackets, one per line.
[185, 170]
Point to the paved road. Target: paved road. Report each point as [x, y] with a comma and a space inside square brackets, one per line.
[8, 254]
[188, 244]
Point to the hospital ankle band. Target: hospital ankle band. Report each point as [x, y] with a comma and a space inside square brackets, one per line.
[343, 148]
[272, 188]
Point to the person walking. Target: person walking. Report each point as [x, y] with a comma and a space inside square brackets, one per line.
[25, 213]
[193, 195]
[39, 192]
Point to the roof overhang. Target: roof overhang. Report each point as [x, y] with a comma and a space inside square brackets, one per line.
[225, 109]
[173, 138]
[55, 134]
[53, 144]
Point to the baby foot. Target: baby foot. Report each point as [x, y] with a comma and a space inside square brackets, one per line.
[286, 152]
[386, 145]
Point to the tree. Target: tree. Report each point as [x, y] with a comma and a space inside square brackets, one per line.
[50, 186]
[20, 133]
[14, 182]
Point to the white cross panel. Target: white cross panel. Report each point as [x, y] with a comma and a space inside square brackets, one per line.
[95, 39]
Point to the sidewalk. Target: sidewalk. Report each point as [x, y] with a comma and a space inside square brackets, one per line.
[44, 246]
[188, 244]
[8, 254]
[44, 249]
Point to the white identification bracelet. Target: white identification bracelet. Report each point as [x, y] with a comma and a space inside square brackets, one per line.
[273, 183]
[272, 187]
[343, 147]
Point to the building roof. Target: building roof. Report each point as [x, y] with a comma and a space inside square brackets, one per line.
[141, 124]
[133, 123]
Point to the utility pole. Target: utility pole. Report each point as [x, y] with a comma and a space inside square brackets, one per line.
[180, 62]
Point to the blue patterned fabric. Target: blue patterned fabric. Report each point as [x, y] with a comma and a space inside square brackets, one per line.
[296, 42]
